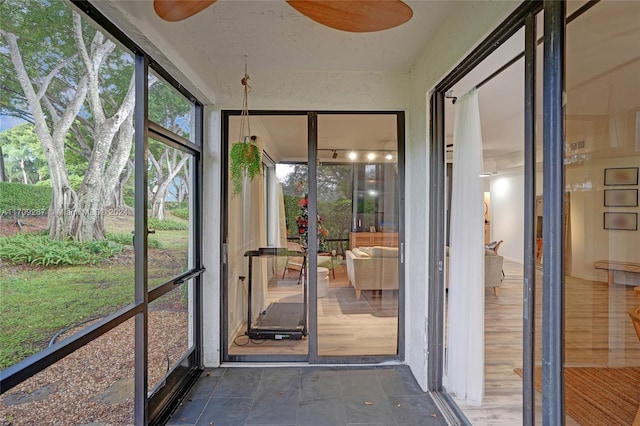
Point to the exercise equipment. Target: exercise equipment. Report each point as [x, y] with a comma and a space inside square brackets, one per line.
[280, 321]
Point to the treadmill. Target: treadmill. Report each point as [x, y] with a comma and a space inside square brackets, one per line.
[280, 321]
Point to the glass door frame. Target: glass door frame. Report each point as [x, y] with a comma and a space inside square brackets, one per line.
[312, 135]
[523, 16]
[555, 22]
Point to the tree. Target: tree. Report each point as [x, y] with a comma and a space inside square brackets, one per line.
[166, 168]
[79, 95]
[334, 183]
[169, 109]
[3, 176]
[23, 153]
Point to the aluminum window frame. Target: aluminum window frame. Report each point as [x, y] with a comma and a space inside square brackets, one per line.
[155, 408]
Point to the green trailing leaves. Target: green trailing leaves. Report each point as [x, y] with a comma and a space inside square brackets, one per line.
[246, 160]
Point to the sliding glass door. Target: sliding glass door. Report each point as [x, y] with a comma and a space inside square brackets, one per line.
[357, 236]
[571, 269]
[291, 293]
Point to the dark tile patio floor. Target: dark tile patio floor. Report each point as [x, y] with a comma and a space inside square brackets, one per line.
[309, 396]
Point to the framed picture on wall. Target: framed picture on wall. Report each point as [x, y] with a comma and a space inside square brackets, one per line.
[621, 221]
[621, 197]
[621, 176]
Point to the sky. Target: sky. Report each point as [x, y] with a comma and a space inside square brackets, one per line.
[7, 122]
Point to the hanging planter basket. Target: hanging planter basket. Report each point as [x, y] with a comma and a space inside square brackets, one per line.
[245, 155]
[246, 160]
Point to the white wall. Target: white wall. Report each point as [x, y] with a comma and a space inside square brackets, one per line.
[212, 259]
[507, 212]
[589, 241]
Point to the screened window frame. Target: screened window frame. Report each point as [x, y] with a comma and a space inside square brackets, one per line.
[148, 409]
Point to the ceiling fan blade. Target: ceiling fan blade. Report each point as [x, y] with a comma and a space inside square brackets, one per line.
[177, 10]
[356, 16]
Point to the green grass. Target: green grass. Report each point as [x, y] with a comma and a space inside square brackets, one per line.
[167, 224]
[38, 303]
[127, 240]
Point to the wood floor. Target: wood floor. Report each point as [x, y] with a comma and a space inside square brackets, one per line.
[598, 332]
[346, 326]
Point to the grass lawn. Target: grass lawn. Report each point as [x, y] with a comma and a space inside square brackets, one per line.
[37, 302]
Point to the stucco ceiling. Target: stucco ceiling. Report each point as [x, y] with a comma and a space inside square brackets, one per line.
[271, 36]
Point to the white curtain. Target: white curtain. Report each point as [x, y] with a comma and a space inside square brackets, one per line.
[465, 351]
[254, 236]
[282, 218]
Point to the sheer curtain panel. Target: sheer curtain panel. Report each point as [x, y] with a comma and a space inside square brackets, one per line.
[465, 351]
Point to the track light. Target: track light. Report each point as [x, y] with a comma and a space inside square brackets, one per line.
[335, 154]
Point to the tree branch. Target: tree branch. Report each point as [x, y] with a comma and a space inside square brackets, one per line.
[49, 77]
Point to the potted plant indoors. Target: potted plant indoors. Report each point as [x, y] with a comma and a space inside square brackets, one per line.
[246, 160]
[245, 155]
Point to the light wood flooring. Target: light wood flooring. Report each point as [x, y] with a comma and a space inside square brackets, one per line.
[598, 332]
[346, 326]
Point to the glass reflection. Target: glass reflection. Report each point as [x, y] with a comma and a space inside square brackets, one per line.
[169, 108]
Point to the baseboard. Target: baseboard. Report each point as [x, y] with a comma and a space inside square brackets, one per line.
[511, 259]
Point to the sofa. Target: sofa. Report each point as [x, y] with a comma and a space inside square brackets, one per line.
[493, 275]
[372, 268]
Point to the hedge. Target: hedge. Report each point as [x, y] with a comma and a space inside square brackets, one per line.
[21, 199]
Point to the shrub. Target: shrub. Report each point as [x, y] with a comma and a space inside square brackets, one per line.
[167, 225]
[37, 249]
[181, 212]
[74, 180]
[17, 197]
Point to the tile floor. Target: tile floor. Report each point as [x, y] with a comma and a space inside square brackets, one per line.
[311, 396]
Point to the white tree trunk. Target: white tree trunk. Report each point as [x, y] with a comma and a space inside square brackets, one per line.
[79, 215]
[159, 197]
[62, 195]
[24, 172]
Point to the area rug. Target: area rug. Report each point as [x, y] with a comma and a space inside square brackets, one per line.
[599, 396]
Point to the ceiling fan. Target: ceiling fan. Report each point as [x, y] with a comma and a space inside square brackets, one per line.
[358, 16]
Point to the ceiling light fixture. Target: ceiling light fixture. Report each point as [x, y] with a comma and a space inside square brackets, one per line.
[371, 156]
[334, 155]
[389, 157]
[353, 155]
[484, 174]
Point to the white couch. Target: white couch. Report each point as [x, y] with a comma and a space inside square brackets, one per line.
[492, 270]
[372, 268]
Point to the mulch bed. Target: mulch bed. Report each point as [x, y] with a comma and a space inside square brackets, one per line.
[94, 384]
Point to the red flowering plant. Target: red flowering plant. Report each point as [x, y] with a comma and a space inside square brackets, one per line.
[303, 227]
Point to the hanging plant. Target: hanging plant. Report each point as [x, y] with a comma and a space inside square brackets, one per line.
[246, 160]
[245, 155]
